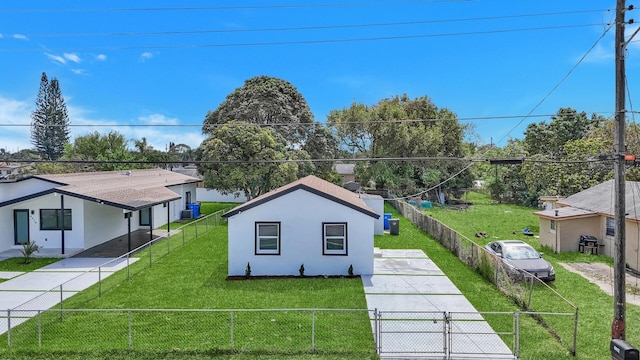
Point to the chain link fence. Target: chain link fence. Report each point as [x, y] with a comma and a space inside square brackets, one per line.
[549, 308]
[110, 274]
[260, 330]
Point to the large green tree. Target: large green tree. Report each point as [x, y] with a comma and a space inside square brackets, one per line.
[96, 147]
[402, 127]
[239, 156]
[265, 100]
[49, 121]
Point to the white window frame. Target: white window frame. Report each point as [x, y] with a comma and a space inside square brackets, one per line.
[612, 227]
[326, 238]
[259, 238]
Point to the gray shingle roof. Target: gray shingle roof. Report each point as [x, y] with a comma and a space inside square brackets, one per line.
[313, 185]
[601, 199]
[131, 189]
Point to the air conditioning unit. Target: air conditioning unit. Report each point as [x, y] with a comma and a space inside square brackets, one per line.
[186, 214]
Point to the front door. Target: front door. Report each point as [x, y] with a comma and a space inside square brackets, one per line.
[21, 226]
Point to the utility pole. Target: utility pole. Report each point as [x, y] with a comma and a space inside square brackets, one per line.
[619, 263]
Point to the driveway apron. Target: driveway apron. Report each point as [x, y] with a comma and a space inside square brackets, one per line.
[411, 292]
[25, 293]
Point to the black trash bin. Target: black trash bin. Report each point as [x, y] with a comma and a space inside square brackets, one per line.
[394, 226]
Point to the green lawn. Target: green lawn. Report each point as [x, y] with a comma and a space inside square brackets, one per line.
[193, 276]
[595, 307]
[17, 264]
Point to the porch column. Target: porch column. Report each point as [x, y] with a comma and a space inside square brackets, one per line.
[168, 218]
[151, 223]
[62, 227]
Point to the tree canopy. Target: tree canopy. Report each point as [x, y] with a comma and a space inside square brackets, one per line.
[49, 121]
[265, 100]
[403, 127]
[246, 157]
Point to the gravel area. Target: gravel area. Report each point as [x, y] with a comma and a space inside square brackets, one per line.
[602, 275]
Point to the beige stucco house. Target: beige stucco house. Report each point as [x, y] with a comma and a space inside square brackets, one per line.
[591, 212]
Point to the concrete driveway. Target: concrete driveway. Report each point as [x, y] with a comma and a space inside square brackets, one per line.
[412, 296]
[25, 293]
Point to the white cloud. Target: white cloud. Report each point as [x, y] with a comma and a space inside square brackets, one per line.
[72, 57]
[18, 114]
[146, 56]
[56, 58]
[157, 119]
[78, 71]
[20, 37]
[101, 57]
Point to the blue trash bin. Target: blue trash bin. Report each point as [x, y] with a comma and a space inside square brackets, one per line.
[387, 216]
[195, 209]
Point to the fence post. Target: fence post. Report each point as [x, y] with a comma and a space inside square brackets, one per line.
[231, 328]
[445, 334]
[313, 330]
[530, 293]
[39, 331]
[516, 351]
[61, 316]
[575, 334]
[130, 330]
[9, 327]
[99, 281]
[376, 335]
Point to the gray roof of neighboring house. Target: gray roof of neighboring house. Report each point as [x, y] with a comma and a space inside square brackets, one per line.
[315, 186]
[131, 189]
[345, 169]
[600, 199]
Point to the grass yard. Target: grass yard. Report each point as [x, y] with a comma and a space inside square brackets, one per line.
[193, 276]
[595, 306]
[17, 264]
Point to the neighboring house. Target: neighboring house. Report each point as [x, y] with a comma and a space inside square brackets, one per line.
[550, 202]
[309, 221]
[13, 170]
[73, 212]
[591, 212]
[347, 171]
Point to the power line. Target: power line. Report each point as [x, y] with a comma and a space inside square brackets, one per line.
[364, 121]
[218, 8]
[322, 27]
[303, 42]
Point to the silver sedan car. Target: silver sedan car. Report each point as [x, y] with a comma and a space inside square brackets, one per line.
[522, 256]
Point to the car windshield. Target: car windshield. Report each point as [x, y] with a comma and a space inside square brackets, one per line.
[520, 253]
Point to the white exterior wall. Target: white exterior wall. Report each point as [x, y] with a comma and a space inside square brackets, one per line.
[377, 204]
[14, 190]
[180, 204]
[214, 195]
[301, 215]
[50, 238]
[6, 223]
[103, 223]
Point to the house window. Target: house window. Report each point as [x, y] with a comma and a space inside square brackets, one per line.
[611, 227]
[145, 217]
[553, 226]
[53, 219]
[268, 238]
[334, 238]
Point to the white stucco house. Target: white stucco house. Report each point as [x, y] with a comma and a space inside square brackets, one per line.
[74, 212]
[309, 221]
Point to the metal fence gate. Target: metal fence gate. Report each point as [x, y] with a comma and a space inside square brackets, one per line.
[443, 335]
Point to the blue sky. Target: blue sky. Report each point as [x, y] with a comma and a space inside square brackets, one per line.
[168, 63]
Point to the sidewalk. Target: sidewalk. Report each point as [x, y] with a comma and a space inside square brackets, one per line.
[413, 294]
[46, 287]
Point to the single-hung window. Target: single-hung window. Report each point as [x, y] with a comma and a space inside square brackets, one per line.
[53, 219]
[553, 226]
[611, 227]
[334, 238]
[268, 238]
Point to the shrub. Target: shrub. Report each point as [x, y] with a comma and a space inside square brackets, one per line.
[301, 270]
[350, 271]
[247, 270]
[28, 249]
